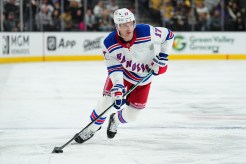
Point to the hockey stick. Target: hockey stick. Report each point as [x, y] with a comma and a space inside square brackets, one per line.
[59, 149]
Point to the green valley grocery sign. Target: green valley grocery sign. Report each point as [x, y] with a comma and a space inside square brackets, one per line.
[179, 43]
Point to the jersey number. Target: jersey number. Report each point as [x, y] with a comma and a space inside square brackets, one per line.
[158, 32]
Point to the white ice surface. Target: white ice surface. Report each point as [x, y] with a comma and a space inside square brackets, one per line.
[196, 113]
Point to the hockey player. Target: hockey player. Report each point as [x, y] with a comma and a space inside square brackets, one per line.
[129, 54]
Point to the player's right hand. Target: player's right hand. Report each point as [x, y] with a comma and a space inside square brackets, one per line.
[160, 60]
[117, 93]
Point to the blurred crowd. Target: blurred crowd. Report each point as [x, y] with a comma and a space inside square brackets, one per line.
[49, 15]
[70, 15]
[200, 15]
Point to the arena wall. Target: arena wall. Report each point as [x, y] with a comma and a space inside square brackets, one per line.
[74, 46]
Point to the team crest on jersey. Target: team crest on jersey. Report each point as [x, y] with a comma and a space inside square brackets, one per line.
[138, 67]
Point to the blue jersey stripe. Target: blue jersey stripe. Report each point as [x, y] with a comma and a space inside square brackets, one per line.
[115, 68]
[116, 48]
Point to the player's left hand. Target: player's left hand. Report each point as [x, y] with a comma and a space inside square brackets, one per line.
[117, 93]
[160, 60]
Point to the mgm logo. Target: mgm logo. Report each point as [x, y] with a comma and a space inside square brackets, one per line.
[15, 44]
[6, 45]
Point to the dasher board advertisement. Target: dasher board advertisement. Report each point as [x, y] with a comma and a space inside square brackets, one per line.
[18, 44]
[209, 43]
[73, 43]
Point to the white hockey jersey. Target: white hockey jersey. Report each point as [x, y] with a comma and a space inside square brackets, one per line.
[131, 61]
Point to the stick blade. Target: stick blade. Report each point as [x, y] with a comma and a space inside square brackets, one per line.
[57, 150]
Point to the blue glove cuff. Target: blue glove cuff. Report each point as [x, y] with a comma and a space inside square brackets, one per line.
[122, 103]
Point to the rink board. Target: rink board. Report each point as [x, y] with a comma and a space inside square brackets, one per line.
[75, 46]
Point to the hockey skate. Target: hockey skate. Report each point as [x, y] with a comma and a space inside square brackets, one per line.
[112, 127]
[85, 135]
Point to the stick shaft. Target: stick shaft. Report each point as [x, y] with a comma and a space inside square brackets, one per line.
[127, 93]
